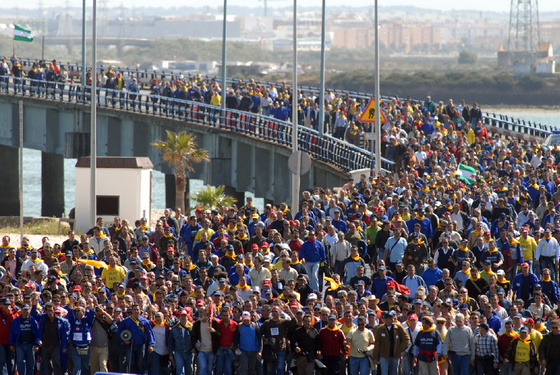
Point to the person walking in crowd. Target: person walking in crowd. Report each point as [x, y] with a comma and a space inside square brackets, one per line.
[474, 260]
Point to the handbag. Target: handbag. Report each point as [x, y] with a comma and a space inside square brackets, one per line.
[84, 350]
[269, 354]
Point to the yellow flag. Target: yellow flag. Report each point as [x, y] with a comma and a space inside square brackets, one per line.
[94, 263]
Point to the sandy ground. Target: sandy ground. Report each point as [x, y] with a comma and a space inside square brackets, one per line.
[36, 239]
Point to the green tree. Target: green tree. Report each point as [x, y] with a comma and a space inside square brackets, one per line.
[209, 199]
[467, 57]
[181, 151]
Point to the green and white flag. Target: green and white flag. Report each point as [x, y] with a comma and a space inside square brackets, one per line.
[22, 35]
[466, 173]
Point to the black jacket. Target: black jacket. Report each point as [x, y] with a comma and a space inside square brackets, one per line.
[196, 334]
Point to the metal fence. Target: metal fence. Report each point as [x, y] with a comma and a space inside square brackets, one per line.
[500, 121]
[328, 149]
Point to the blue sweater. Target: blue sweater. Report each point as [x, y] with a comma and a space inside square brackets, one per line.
[312, 251]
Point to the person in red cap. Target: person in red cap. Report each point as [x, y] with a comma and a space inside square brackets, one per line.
[411, 327]
[180, 345]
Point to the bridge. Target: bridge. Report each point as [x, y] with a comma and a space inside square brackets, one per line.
[249, 152]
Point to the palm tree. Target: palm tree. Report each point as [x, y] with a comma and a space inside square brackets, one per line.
[209, 199]
[181, 151]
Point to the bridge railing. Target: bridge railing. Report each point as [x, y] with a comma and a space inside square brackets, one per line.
[505, 122]
[331, 150]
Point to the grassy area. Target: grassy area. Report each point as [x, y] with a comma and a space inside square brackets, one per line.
[43, 227]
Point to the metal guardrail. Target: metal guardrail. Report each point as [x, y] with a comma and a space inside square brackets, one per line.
[508, 123]
[328, 149]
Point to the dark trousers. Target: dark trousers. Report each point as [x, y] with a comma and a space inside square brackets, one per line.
[135, 359]
[50, 358]
[484, 366]
[332, 363]
[553, 368]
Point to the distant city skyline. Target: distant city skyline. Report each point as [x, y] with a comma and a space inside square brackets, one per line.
[445, 5]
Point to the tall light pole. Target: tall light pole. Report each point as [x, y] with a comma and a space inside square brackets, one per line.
[224, 50]
[93, 158]
[296, 176]
[377, 97]
[83, 46]
[322, 89]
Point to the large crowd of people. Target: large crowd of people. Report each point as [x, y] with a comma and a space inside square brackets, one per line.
[422, 270]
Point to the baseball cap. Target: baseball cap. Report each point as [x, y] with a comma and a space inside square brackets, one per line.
[361, 282]
[312, 296]
[524, 329]
[254, 246]
[5, 301]
[332, 317]
[246, 315]
[26, 307]
[389, 314]
[501, 272]
[524, 265]
[267, 282]
[294, 304]
[382, 268]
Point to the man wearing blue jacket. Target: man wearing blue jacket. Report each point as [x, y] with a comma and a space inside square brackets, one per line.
[142, 336]
[53, 338]
[524, 282]
[24, 340]
[80, 337]
[180, 346]
[313, 253]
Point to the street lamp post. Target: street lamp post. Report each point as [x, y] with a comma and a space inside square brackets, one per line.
[93, 159]
[377, 97]
[322, 88]
[224, 50]
[296, 176]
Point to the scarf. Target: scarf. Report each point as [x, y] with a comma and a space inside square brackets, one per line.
[144, 228]
[191, 267]
[334, 284]
[540, 329]
[158, 325]
[336, 327]
[473, 280]
[513, 242]
[168, 235]
[492, 252]
[546, 280]
[510, 334]
[38, 260]
[242, 238]
[243, 287]
[147, 263]
[431, 329]
[356, 258]
[419, 217]
[186, 326]
[293, 264]
[5, 247]
[527, 341]
[231, 256]
[101, 235]
[138, 323]
[477, 232]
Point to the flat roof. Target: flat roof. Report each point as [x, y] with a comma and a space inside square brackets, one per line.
[125, 162]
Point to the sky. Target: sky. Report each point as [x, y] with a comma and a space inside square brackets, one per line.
[446, 5]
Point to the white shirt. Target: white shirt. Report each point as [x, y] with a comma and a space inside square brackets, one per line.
[548, 248]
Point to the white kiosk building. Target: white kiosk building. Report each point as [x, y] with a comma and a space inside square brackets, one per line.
[124, 189]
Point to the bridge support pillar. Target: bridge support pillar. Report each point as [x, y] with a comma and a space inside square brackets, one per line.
[170, 190]
[239, 195]
[9, 183]
[52, 184]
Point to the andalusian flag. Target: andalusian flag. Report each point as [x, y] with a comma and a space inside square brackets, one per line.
[22, 35]
[466, 173]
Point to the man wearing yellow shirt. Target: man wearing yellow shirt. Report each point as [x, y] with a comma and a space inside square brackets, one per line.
[522, 353]
[205, 229]
[528, 246]
[113, 274]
